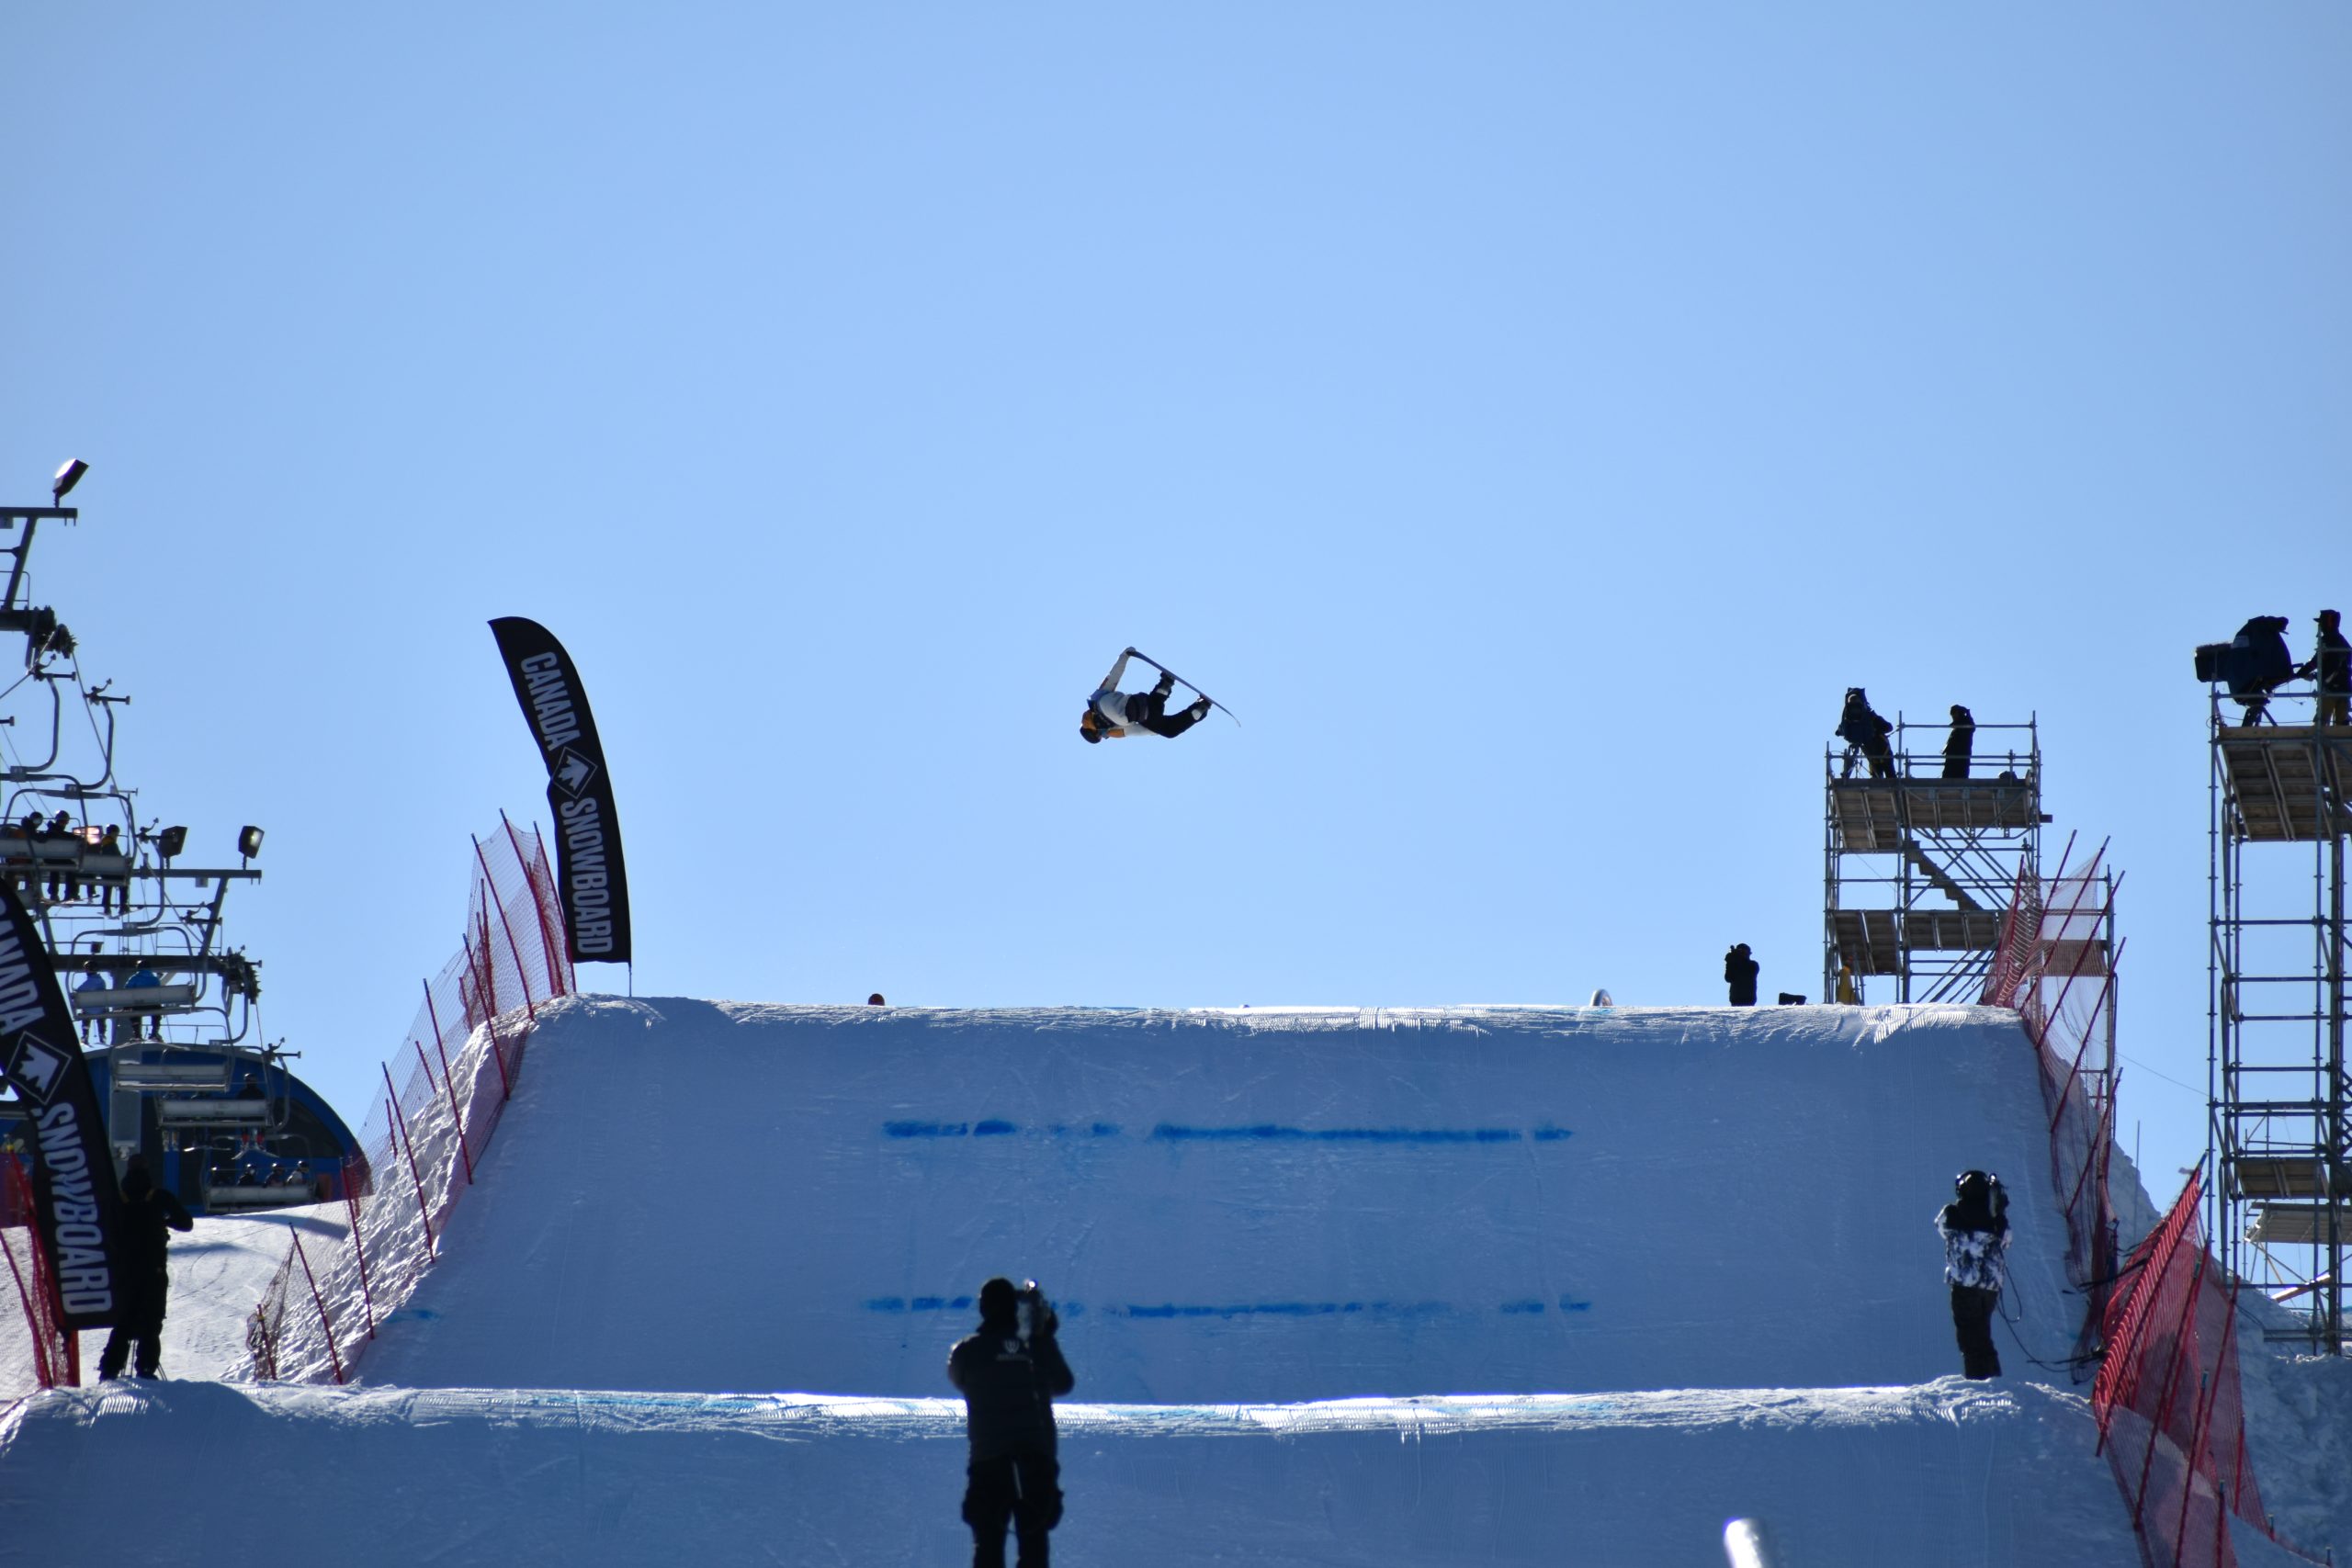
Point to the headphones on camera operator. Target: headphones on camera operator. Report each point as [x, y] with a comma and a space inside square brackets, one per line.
[1980, 1190]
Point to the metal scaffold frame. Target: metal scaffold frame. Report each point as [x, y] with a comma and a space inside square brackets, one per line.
[2275, 1002]
[1919, 869]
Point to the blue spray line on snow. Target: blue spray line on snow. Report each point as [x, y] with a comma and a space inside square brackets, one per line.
[1261, 1131]
[1165, 1310]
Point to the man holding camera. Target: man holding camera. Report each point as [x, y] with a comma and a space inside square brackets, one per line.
[1975, 1228]
[1010, 1374]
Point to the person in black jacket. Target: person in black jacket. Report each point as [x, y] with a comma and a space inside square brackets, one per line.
[142, 1237]
[1961, 742]
[1009, 1380]
[1740, 969]
[1863, 731]
[2331, 664]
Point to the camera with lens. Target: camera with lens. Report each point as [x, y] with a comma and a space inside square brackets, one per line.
[1036, 1313]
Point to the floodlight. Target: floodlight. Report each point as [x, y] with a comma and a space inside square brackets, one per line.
[170, 841]
[67, 477]
[249, 841]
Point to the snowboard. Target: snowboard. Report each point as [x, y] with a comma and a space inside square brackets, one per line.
[1172, 674]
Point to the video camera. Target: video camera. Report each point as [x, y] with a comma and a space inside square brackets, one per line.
[1036, 1313]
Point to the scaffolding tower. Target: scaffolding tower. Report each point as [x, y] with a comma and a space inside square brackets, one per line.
[2280, 802]
[1922, 856]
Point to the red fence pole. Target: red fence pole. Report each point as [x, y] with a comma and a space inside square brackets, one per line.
[409, 1147]
[508, 926]
[359, 1251]
[33, 1297]
[333, 1360]
[46, 1295]
[455, 1115]
[450, 1083]
[2208, 1384]
[36, 1327]
[2164, 1407]
[43, 1372]
[548, 947]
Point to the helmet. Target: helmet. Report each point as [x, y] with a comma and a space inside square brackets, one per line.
[1090, 735]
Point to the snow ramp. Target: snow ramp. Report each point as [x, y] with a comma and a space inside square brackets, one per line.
[1950, 1475]
[1267, 1205]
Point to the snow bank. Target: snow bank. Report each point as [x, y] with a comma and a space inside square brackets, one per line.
[2299, 1429]
[218, 1272]
[1271, 1205]
[1951, 1473]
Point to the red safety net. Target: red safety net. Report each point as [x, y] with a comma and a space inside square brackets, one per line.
[2054, 967]
[54, 1357]
[421, 1140]
[2167, 1396]
[2168, 1400]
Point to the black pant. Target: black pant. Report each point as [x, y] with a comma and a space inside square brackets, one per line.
[1150, 709]
[1972, 1320]
[138, 1336]
[1023, 1490]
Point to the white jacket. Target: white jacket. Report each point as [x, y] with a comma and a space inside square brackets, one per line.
[1973, 1257]
[1109, 703]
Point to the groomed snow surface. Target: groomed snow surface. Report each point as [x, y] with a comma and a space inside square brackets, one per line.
[1510, 1285]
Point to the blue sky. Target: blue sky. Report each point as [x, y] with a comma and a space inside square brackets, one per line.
[1529, 418]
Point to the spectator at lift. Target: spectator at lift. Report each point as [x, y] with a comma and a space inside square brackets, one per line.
[141, 980]
[92, 988]
[2259, 663]
[1740, 969]
[1865, 732]
[1975, 1228]
[113, 888]
[1960, 743]
[1849, 994]
[1009, 1379]
[29, 881]
[2331, 664]
[141, 1243]
[59, 830]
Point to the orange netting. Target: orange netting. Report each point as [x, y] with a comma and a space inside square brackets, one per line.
[421, 1141]
[2169, 1406]
[2054, 967]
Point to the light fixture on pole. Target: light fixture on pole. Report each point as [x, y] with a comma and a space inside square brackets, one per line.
[66, 478]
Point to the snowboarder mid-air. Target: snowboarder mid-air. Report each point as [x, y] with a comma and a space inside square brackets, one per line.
[1110, 713]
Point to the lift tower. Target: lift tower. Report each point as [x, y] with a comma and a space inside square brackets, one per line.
[1920, 869]
[2280, 807]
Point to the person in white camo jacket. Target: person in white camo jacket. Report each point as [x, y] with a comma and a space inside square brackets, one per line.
[1975, 1228]
[1110, 713]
